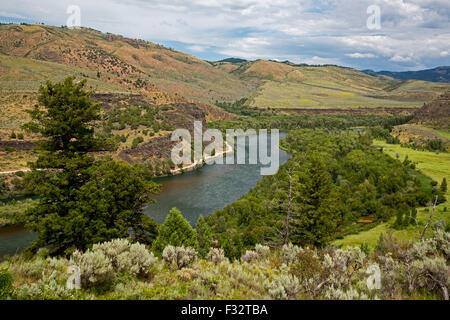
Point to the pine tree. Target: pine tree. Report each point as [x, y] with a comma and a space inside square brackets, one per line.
[175, 231]
[204, 236]
[319, 208]
[444, 185]
[4, 189]
[83, 201]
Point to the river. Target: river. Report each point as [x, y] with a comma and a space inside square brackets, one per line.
[195, 193]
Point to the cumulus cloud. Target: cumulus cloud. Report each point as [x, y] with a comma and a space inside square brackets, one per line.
[358, 55]
[413, 33]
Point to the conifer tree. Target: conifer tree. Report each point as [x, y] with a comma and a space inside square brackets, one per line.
[81, 201]
[204, 236]
[175, 231]
[444, 185]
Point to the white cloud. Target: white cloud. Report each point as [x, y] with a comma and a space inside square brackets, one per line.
[399, 58]
[358, 55]
[197, 48]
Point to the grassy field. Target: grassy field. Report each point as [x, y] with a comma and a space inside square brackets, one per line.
[307, 95]
[334, 87]
[436, 166]
[16, 160]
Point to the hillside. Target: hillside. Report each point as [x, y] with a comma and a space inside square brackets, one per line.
[436, 113]
[439, 74]
[290, 86]
[134, 64]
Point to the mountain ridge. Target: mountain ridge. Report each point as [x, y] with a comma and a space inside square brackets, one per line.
[438, 74]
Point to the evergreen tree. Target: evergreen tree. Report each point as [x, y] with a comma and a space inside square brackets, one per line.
[444, 185]
[319, 207]
[204, 236]
[82, 201]
[175, 231]
[4, 189]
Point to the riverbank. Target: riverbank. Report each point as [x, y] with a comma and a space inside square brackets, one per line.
[13, 211]
[206, 159]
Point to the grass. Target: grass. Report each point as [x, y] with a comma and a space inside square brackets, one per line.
[16, 160]
[436, 166]
[311, 95]
[26, 75]
[337, 87]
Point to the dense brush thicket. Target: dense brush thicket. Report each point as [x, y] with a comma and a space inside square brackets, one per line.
[121, 270]
[310, 121]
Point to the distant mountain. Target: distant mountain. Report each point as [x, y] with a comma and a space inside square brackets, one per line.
[439, 74]
[233, 60]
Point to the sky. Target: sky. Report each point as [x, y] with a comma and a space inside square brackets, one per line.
[410, 35]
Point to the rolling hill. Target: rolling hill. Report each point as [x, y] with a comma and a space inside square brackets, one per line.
[436, 113]
[290, 86]
[130, 63]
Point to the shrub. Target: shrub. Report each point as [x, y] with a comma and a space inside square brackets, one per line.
[333, 293]
[179, 256]
[126, 257]
[262, 251]
[136, 142]
[283, 287]
[95, 268]
[249, 256]
[289, 253]
[137, 261]
[32, 269]
[433, 274]
[340, 265]
[46, 288]
[216, 256]
[6, 287]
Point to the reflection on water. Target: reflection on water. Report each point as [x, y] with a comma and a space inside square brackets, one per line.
[13, 239]
[195, 193]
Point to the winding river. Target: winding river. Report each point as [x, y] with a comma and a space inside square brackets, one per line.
[195, 193]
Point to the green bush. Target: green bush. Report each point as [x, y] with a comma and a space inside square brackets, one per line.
[6, 287]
